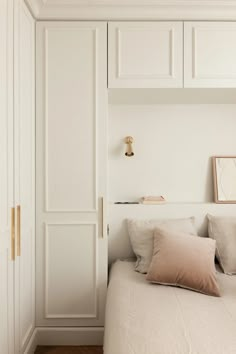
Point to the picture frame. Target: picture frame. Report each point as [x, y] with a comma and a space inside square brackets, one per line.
[224, 176]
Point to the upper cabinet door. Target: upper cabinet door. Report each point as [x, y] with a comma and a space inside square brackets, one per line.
[145, 54]
[210, 54]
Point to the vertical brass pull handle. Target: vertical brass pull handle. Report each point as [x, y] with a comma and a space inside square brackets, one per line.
[12, 234]
[104, 229]
[18, 252]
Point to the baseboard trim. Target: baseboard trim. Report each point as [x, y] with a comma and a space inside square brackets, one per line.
[65, 336]
[33, 342]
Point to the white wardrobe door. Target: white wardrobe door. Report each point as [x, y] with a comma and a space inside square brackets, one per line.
[6, 178]
[24, 118]
[71, 172]
[145, 54]
[210, 54]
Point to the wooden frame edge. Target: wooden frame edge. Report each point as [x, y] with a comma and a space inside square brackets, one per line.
[215, 181]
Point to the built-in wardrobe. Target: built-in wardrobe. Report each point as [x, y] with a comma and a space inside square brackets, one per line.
[54, 204]
[76, 63]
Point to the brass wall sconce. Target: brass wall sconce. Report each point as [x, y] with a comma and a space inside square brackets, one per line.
[129, 140]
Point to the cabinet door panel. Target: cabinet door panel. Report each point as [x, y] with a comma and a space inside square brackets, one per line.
[70, 263]
[210, 54]
[71, 172]
[143, 54]
[69, 124]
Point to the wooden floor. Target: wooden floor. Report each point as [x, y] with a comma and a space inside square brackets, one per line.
[69, 350]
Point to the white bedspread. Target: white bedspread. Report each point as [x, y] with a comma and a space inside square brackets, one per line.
[143, 318]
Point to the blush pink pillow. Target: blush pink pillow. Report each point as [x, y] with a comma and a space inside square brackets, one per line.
[184, 260]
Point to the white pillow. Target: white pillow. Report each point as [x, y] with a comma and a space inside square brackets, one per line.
[223, 230]
[141, 236]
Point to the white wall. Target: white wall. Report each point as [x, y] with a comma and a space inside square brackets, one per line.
[173, 148]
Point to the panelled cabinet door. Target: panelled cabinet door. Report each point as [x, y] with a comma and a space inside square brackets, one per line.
[210, 54]
[145, 54]
[6, 180]
[71, 153]
[24, 122]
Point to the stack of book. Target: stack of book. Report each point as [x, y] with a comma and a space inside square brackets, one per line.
[153, 200]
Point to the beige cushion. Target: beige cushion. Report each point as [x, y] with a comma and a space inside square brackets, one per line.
[141, 237]
[182, 260]
[223, 230]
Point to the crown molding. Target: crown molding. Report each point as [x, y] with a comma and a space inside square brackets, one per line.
[133, 9]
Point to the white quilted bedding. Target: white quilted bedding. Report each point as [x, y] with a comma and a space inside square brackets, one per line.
[143, 318]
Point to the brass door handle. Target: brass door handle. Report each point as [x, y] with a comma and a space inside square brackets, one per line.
[104, 228]
[18, 252]
[12, 234]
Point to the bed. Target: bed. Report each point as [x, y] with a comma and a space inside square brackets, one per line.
[145, 318]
